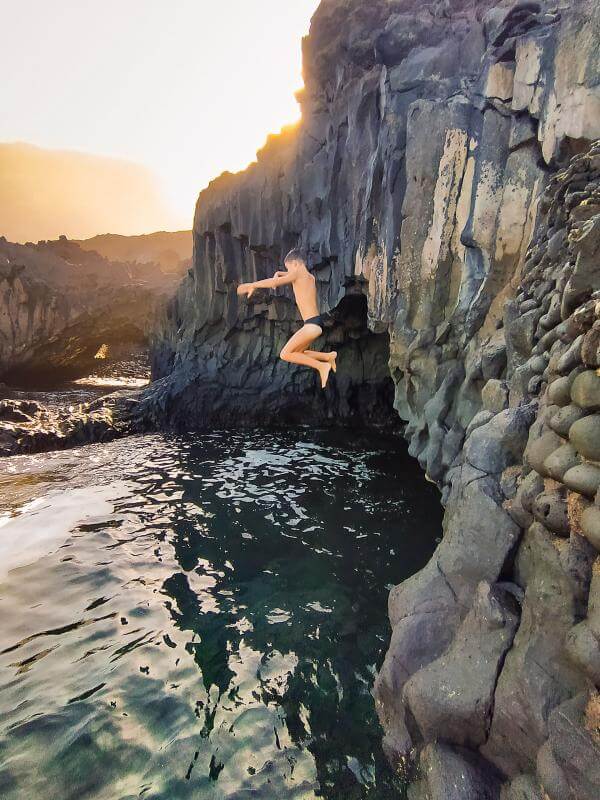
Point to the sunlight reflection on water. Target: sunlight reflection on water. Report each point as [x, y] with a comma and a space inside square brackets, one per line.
[203, 616]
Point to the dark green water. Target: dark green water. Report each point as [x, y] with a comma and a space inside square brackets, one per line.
[203, 617]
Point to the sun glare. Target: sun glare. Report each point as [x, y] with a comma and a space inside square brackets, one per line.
[186, 90]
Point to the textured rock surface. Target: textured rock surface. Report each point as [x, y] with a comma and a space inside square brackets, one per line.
[60, 303]
[26, 426]
[445, 183]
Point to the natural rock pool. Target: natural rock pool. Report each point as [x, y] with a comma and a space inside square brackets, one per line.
[203, 616]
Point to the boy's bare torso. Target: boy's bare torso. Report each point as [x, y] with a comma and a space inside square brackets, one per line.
[305, 292]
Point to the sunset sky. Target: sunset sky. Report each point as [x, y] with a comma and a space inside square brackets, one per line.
[188, 88]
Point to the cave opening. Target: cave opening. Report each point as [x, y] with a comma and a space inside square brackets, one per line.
[362, 393]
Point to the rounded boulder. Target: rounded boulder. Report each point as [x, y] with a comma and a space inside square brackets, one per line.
[584, 435]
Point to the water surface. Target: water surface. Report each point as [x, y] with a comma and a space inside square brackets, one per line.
[203, 616]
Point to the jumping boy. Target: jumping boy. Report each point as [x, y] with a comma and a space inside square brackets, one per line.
[305, 292]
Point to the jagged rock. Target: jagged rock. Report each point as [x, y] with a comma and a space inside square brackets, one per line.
[494, 396]
[446, 214]
[575, 743]
[537, 675]
[60, 303]
[455, 692]
[454, 774]
[525, 787]
[29, 427]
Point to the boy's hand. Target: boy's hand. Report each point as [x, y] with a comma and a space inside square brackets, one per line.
[245, 288]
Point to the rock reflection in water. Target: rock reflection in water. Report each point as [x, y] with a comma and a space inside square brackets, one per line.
[216, 634]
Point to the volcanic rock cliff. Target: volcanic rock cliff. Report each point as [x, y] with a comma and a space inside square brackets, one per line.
[59, 303]
[445, 184]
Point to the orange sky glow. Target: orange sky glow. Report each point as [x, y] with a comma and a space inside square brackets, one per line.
[187, 88]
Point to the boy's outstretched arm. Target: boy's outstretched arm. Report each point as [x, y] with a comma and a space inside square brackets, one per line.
[279, 279]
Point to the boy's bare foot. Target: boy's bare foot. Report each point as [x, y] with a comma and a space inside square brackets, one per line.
[332, 359]
[324, 370]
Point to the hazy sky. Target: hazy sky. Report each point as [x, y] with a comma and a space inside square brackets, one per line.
[188, 88]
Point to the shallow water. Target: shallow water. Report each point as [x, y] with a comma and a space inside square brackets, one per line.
[203, 616]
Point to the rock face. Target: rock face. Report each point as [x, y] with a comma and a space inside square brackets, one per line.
[60, 303]
[445, 183]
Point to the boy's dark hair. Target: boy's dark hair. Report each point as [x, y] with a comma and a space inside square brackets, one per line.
[295, 255]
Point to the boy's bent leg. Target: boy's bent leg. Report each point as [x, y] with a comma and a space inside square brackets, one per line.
[294, 351]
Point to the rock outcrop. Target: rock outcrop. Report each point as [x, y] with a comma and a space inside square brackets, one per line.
[27, 426]
[59, 304]
[445, 184]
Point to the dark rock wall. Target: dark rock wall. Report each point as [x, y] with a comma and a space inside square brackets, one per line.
[60, 303]
[495, 644]
[428, 176]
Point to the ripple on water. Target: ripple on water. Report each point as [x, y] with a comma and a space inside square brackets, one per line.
[203, 616]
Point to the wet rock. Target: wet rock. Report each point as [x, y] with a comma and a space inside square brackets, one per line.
[29, 427]
[584, 435]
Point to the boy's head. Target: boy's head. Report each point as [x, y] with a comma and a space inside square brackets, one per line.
[294, 256]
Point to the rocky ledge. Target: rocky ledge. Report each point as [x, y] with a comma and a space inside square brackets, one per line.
[27, 426]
